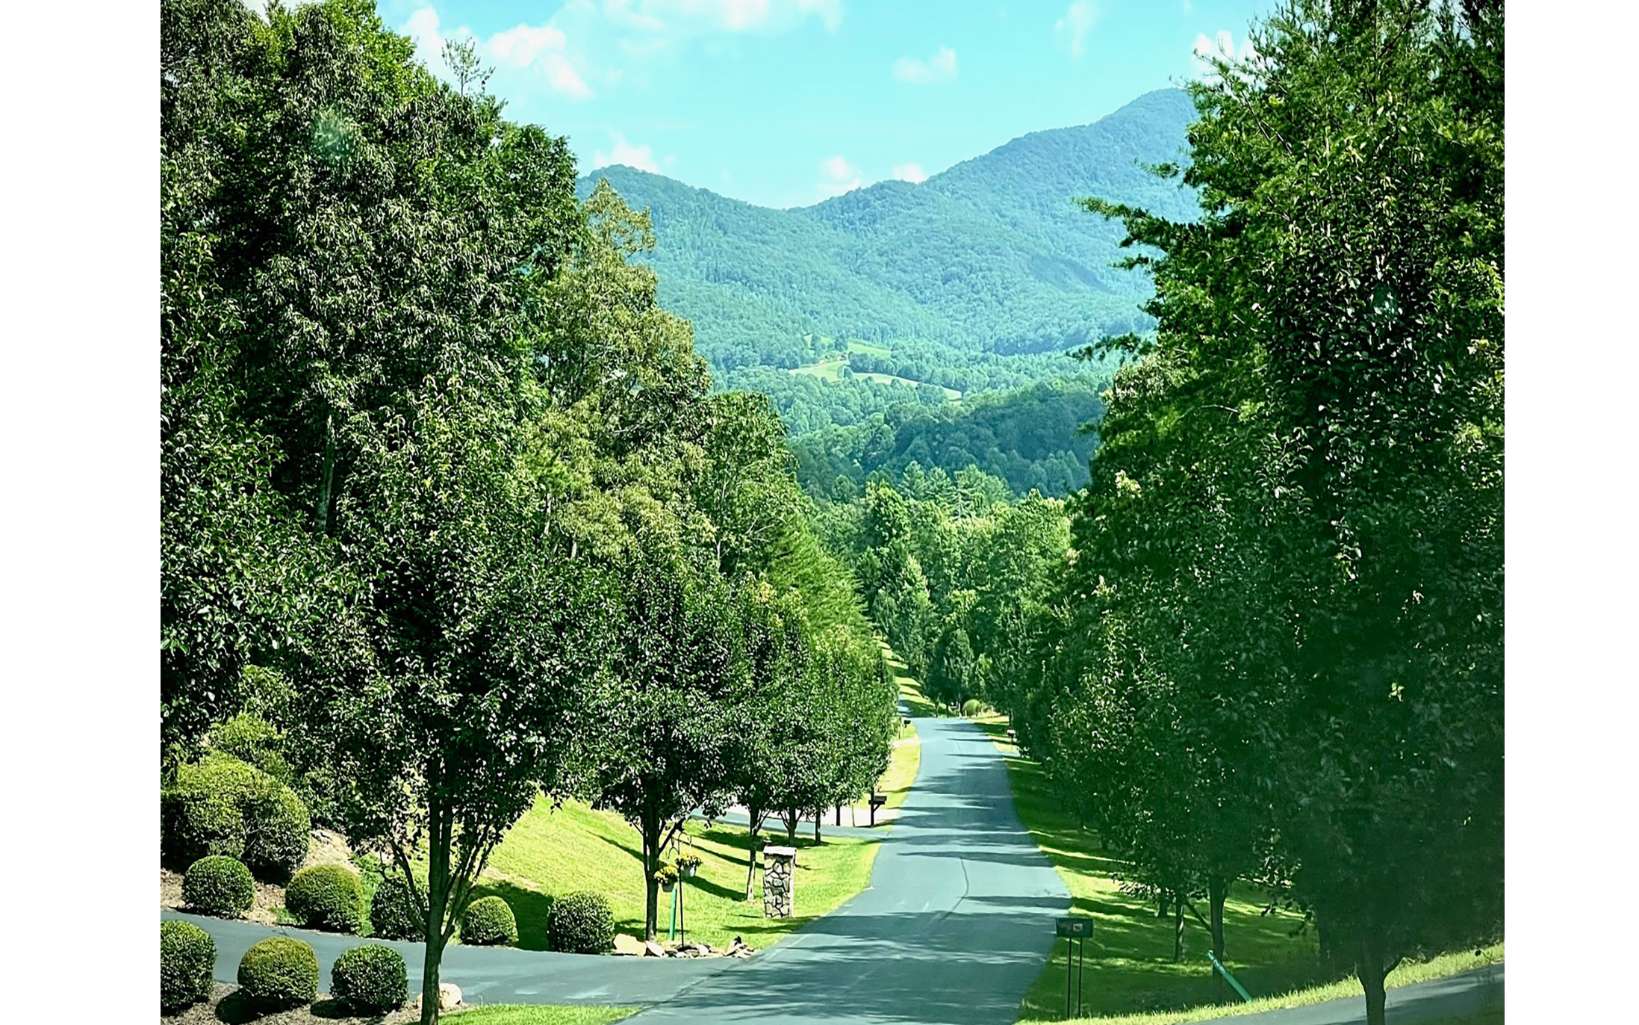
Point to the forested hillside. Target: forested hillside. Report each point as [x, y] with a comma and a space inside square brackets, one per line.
[1032, 438]
[866, 317]
[992, 254]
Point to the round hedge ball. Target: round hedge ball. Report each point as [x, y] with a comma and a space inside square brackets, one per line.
[279, 972]
[195, 825]
[489, 922]
[326, 897]
[395, 912]
[219, 885]
[276, 830]
[186, 956]
[370, 979]
[581, 923]
[221, 805]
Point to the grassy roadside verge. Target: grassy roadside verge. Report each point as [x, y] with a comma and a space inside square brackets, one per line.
[1130, 976]
[910, 689]
[550, 852]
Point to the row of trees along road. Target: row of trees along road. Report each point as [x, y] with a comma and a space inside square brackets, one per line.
[432, 452]
[1267, 641]
[1278, 652]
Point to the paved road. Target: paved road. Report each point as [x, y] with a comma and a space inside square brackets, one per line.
[954, 928]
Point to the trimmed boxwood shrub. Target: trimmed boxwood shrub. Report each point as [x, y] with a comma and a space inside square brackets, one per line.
[395, 913]
[972, 707]
[186, 956]
[489, 922]
[276, 832]
[370, 979]
[221, 805]
[279, 972]
[581, 923]
[199, 825]
[326, 897]
[219, 885]
[254, 740]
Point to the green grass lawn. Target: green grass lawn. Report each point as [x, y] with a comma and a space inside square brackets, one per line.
[902, 765]
[542, 1014]
[827, 369]
[950, 393]
[910, 689]
[1130, 976]
[550, 852]
[830, 369]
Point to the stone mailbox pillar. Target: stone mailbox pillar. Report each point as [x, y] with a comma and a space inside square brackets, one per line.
[779, 881]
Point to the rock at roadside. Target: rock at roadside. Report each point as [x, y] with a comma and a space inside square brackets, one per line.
[628, 946]
[653, 949]
[449, 997]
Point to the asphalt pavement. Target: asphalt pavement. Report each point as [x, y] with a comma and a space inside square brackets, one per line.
[953, 929]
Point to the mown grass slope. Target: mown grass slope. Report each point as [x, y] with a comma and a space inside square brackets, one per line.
[574, 847]
[1130, 977]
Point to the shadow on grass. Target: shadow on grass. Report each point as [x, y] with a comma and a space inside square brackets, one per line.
[530, 907]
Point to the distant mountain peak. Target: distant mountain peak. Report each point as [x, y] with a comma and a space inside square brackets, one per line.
[993, 253]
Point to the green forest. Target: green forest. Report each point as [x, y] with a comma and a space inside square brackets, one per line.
[447, 501]
[984, 278]
[482, 480]
[1265, 640]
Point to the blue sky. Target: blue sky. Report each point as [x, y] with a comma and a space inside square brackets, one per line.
[785, 102]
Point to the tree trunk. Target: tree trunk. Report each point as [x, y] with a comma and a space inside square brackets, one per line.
[1178, 930]
[753, 823]
[1371, 971]
[1217, 893]
[818, 814]
[1161, 903]
[651, 887]
[790, 819]
[327, 473]
[438, 895]
[429, 980]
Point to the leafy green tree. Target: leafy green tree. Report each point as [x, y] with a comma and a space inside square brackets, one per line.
[448, 698]
[678, 703]
[1333, 324]
[777, 654]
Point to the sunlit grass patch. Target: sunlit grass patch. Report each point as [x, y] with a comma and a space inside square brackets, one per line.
[551, 852]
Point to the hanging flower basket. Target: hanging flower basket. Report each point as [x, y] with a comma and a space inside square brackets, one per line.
[688, 866]
[666, 876]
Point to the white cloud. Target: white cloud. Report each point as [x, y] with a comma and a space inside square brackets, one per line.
[1071, 29]
[519, 45]
[680, 18]
[611, 43]
[628, 153]
[1220, 46]
[910, 172]
[839, 176]
[519, 48]
[941, 67]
